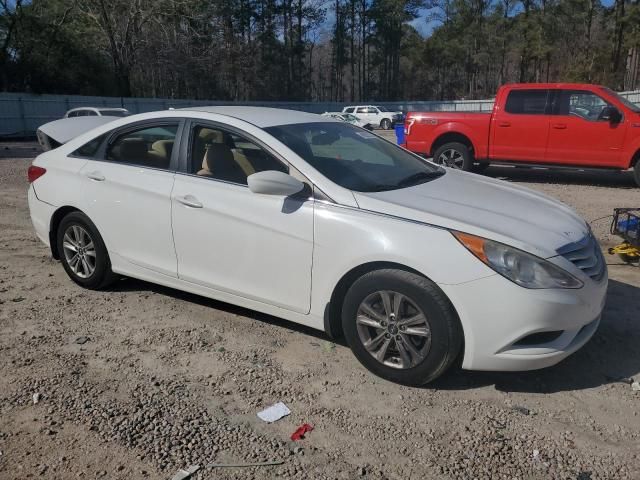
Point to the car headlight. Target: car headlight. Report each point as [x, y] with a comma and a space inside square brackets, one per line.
[520, 267]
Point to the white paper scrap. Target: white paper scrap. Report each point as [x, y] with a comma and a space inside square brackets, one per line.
[274, 412]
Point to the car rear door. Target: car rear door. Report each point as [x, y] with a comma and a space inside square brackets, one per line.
[367, 114]
[520, 129]
[230, 239]
[127, 193]
[579, 135]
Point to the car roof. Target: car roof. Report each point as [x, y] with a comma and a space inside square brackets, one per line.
[262, 116]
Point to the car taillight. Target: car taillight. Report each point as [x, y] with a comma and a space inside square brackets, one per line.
[35, 173]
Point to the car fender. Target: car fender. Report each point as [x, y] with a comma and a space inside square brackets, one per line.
[457, 128]
[632, 153]
[346, 238]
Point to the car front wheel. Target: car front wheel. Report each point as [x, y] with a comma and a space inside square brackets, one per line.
[83, 253]
[401, 326]
[385, 124]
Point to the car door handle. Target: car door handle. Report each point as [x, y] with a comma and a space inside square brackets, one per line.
[190, 201]
[504, 124]
[559, 126]
[97, 176]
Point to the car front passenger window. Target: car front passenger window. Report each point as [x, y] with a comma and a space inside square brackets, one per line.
[221, 155]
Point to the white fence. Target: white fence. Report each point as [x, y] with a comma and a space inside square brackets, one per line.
[21, 114]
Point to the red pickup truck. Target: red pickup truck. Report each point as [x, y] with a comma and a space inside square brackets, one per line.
[546, 124]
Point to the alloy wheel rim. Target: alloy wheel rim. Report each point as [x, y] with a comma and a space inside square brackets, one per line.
[451, 158]
[79, 251]
[393, 329]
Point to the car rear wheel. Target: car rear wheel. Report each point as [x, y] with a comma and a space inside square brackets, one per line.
[454, 155]
[83, 253]
[636, 172]
[401, 326]
[385, 124]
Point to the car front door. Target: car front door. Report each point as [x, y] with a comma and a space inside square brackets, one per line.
[581, 132]
[519, 130]
[230, 239]
[128, 194]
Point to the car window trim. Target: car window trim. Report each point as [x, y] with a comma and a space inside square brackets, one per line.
[100, 155]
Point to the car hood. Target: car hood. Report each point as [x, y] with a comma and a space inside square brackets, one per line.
[483, 206]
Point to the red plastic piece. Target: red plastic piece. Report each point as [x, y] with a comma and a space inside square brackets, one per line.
[299, 433]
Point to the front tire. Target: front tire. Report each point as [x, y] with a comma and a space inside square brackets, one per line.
[636, 172]
[454, 155]
[401, 326]
[385, 124]
[83, 253]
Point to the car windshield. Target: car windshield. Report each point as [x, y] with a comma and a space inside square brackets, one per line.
[354, 158]
[631, 106]
[114, 113]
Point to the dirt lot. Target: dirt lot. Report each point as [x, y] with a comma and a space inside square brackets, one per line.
[141, 380]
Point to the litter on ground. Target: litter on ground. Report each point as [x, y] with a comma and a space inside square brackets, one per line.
[274, 412]
[300, 431]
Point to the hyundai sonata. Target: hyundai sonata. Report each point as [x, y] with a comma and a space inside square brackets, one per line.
[327, 225]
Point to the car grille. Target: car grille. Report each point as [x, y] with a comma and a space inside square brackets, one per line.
[586, 255]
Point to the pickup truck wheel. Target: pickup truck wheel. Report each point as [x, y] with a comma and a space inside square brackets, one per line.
[636, 172]
[454, 155]
[385, 124]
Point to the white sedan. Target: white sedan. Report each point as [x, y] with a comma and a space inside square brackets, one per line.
[327, 225]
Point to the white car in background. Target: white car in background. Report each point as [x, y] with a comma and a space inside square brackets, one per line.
[349, 118]
[375, 115]
[97, 112]
[327, 225]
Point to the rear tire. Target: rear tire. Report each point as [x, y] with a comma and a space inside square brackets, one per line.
[636, 172]
[411, 337]
[83, 253]
[454, 155]
[385, 124]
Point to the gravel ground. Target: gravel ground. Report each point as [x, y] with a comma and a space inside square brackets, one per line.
[142, 380]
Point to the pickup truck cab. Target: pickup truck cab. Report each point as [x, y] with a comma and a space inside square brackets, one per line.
[545, 124]
[374, 115]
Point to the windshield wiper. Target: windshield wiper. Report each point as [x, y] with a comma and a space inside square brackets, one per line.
[415, 178]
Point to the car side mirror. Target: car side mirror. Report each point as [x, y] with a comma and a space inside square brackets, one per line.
[272, 182]
[611, 114]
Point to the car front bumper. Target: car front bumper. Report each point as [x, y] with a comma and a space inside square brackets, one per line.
[510, 328]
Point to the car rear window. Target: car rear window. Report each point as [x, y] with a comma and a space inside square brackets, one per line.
[527, 102]
[89, 149]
